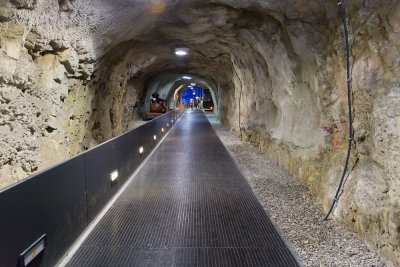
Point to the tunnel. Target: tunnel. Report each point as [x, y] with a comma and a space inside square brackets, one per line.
[298, 160]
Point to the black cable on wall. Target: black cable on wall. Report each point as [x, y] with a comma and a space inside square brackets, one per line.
[342, 11]
[240, 100]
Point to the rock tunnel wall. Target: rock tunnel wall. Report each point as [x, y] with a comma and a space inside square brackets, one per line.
[76, 73]
[302, 123]
[44, 100]
[294, 109]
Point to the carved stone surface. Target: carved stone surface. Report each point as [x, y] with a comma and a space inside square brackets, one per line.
[70, 71]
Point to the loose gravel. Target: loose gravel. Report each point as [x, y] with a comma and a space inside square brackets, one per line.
[290, 205]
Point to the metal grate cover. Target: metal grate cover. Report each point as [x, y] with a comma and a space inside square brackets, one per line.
[189, 205]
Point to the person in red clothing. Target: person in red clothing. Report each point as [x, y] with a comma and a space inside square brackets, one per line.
[157, 104]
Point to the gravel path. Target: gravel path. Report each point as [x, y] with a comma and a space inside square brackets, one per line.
[291, 206]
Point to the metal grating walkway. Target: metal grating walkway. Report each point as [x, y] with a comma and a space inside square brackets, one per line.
[189, 205]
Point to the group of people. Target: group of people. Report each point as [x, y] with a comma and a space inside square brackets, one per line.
[195, 103]
[159, 105]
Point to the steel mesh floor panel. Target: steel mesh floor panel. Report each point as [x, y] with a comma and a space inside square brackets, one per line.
[189, 205]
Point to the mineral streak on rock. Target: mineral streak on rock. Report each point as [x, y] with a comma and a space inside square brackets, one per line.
[76, 73]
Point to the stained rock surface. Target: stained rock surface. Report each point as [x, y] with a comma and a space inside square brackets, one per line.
[75, 73]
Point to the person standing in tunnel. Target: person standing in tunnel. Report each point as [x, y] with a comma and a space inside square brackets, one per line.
[191, 103]
[156, 98]
[197, 102]
[158, 104]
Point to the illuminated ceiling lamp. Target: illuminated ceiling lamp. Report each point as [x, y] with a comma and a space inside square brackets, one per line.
[157, 7]
[181, 51]
[187, 77]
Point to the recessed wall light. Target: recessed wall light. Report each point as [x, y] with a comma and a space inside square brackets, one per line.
[155, 137]
[114, 175]
[141, 150]
[34, 250]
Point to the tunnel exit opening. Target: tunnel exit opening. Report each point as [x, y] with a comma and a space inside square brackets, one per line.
[192, 96]
[196, 97]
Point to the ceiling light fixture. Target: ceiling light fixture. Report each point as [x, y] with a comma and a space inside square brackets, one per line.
[181, 51]
[187, 77]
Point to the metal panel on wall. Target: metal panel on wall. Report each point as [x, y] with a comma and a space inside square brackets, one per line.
[51, 203]
[101, 161]
[144, 137]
